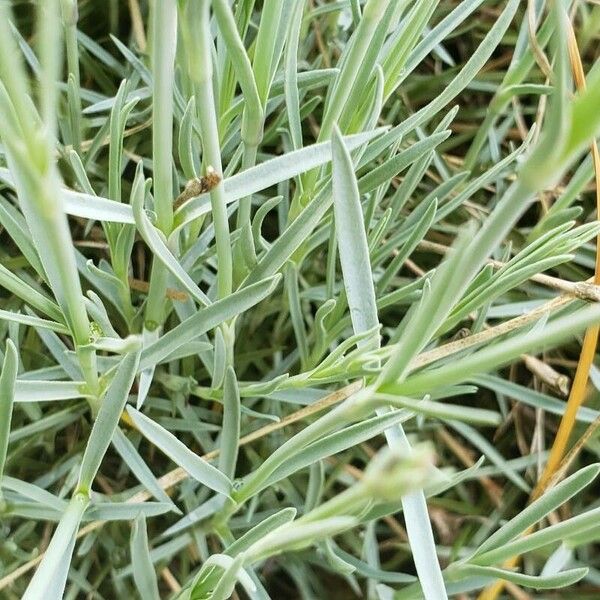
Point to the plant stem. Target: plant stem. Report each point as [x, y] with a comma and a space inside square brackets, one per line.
[201, 73]
[245, 208]
[164, 43]
[163, 67]
[70, 16]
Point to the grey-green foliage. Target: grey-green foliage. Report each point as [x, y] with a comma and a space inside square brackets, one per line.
[226, 217]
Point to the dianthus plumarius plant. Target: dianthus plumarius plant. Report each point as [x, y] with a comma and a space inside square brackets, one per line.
[292, 293]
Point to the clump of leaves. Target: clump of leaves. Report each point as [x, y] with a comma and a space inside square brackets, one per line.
[273, 274]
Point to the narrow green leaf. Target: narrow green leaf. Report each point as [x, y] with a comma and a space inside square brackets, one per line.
[108, 417]
[144, 574]
[230, 432]
[32, 321]
[8, 377]
[294, 537]
[126, 511]
[47, 391]
[539, 582]
[439, 410]
[352, 239]
[178, 452]
[48, 582]
[204, 511]
[206, 319]
[532, 397]
[339, 441]
[544, 505]
[138, 467]
[271, 172]
[35, 493]
[291, 76]
[14, 284]
[390, 168]
[581, 524]
[280, 518]
[226, 585]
